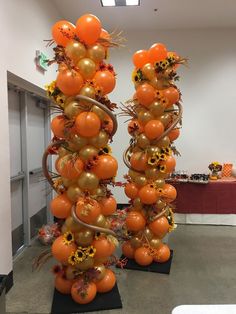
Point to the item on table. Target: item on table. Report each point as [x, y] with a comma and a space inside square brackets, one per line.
[227, 170]
[199, 178]
[215, 167]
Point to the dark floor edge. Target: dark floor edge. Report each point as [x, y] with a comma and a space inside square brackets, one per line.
[6, 282]
[122, 205]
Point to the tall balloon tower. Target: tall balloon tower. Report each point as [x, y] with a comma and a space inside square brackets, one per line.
[83, 127]
[155, 115]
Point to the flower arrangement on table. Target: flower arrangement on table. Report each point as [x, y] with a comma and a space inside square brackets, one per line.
[215, 167]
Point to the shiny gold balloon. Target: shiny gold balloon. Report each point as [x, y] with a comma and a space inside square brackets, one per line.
[148, 233]
[97, 53]
[99, 112]
[100, 221]
[88, 91]
[79, 141]
[165, 119]
[88, 152]
[108, 224]
[162, 175]
[64, 229]
[62, 151]
[72, 109]
[73, 193]
[73, 225]
[140, 180]
[155, 243]
[160, 204]
[143, 141]
[144, 116]
[85, 264]
[137, 203]
[100, 140]
[135, 242]
[159, 183]
[133, 174]
[156, 108]
[157, 83]
[152, 150]
[149, 71]
[84, 237]
[151, 173]
[88, 181]
[164, 142]
[99, 193]
[67, 182]
[87, 68]
[102, 271]
[75, 51]
[71, 272]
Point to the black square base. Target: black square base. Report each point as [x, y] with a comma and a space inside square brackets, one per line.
[64, 304]
[162, 268]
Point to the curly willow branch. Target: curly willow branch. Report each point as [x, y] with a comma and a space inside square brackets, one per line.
[61, 142]
[171, 127]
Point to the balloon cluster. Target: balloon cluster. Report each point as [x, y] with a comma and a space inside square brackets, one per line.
[84, 162]
[155, 112]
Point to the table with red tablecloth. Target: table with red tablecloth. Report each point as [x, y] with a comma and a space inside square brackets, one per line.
[215, 197]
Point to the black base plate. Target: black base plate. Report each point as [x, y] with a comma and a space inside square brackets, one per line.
[163, 268]
[64, 304]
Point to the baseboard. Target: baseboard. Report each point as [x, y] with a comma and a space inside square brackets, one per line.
[6, 282]
[122, 205]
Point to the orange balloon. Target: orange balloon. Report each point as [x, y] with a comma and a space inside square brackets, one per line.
[135, 221]
[87, 210]
[69, 167]
[104, 34]
[69, 82]
[157, 52]
[60, 206]
[131, 190]
[172, 95]
[104, 247]
[138, 161]
[153, 129]
[88, 28]
[61, 250]
[148, 194]
[106, 167]
[108, 205]
[62, 32]
[105, 80]
[140, 58]
[159, 227]
[58, 126]
[169, 193]
[87, 124]
[143, 257]
[107, 282]
[145, 94]
[135, 127]
[83, 297]
[162, 254]
[173, 134]
[62, 284]
[128, 250]
[170, 164]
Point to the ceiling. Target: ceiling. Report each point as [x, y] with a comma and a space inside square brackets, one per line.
[170, 14]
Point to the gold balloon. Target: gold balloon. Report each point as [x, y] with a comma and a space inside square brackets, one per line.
[100, 221]
[85, 264]
[88, 152]
[162, 175]
[159, 183]
[100, 140]
[99, 112]
[149, 71]
[156, 108]
[88, 91]
[155, 243]
[140, 180]
[72, 109]
[73, 225]
[164, 142]
[144, 116]
[88, 181]
[84, 237]
[137, 203]
[75, 51]
[153, 150]
[79, 141]
[133, 174]
[165, 119]
[64, 229]
[87, 68]
[143, 141]
[99, 192]
[71, 272]
[62, 151]
[148, 233]
[102, 271]
[67, 182]
[151, 173]
[158, 83]
[135, 242]
[97, 53]
[73, 193]
[160, 204]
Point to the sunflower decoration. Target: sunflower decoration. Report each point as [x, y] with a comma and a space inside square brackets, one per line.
[72, 259]
[55, 94]
[80, 255]
[90, 251]
[68, 238]
[105, 150]
[171, 58]
[162, 65]
[161, 168]
[137, 76]
[171, 221]
[167, 151]
[153, 160]
[162, 156]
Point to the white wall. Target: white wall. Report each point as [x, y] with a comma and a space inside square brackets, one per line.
[209, 95]
[24, 26]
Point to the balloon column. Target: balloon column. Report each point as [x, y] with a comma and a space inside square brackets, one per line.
[155, 112]
[82, 130]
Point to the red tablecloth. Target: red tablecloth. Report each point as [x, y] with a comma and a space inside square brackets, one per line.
[216, 197]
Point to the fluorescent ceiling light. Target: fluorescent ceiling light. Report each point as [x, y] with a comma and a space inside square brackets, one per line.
[108, 3]
[132, 2]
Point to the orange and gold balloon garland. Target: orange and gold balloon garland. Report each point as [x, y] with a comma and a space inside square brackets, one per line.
[84, 165]
[155, 112]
